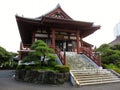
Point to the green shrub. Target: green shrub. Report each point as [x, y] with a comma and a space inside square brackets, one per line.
[9, 65]
[37, 67]
[62, 69]
[6, 65]
[14, 65]
[117, 70]
[20, 67]
[28, 67]
[111, 66]
[52, 63]
[118, 64]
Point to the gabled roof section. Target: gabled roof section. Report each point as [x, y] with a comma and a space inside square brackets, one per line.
[57, 19]
[58, 13]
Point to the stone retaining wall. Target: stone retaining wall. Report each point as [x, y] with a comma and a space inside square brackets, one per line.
[48, 77]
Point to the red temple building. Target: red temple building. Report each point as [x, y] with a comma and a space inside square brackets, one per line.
[64, 34]
[59, 31]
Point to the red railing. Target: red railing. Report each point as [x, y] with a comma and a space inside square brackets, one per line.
[60, 55]
[92, 55]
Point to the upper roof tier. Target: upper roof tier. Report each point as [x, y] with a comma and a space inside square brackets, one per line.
[57, 13]
[56, 19]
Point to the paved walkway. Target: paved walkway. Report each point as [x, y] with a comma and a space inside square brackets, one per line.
[7, 82]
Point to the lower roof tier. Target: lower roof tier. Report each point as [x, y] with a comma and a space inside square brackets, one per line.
[28, 26]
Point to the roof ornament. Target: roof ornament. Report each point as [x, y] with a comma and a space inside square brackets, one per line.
[16, 14]
[58, 5]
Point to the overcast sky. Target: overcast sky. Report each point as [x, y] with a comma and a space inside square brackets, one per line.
[102, 12]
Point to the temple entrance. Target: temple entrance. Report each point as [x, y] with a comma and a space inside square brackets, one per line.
[61, 44]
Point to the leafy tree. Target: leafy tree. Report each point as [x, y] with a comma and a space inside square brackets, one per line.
[116, 47]
[4, 55]
[110, 55]
[40, 52]
[6, 59]
[43, 58]
[103, 48]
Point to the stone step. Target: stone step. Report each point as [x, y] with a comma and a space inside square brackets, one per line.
[97, 80]
[91, 71]
[86, 77]
[86, 72]
[94, 77]
[92, 83]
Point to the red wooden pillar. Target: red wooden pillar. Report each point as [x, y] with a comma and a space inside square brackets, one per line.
[78, 41]
[21, 46]
[20, 53]
[33, 37]
[99, 60]
[53, 39]
[81, 45]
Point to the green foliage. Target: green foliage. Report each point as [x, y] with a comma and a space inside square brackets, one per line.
[52, 63]
[118, 64]
[117, 70]
[115, 47]
[111, 66]
[9, 65]
[4, 55]
[20, 67]
[41, 47]
[51, 56]
[62, 69]
[31, 58]
[43, 58]
[40, 53]
[103, 47]
[110, 56]
[38, 43]
[6, 59]
[28, 67]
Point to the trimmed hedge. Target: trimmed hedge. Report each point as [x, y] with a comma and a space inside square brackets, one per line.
[53, 67]
[62, 69]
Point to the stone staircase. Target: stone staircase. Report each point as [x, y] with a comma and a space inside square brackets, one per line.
[79, 62]
[85, 72]
[89, 77]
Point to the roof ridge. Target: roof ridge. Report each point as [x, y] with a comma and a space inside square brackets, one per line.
[57, 12]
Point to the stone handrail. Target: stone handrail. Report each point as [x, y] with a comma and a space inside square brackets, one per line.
[92, 55]
[74, 81]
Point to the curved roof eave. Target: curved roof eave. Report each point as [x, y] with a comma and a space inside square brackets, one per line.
[25, 25]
